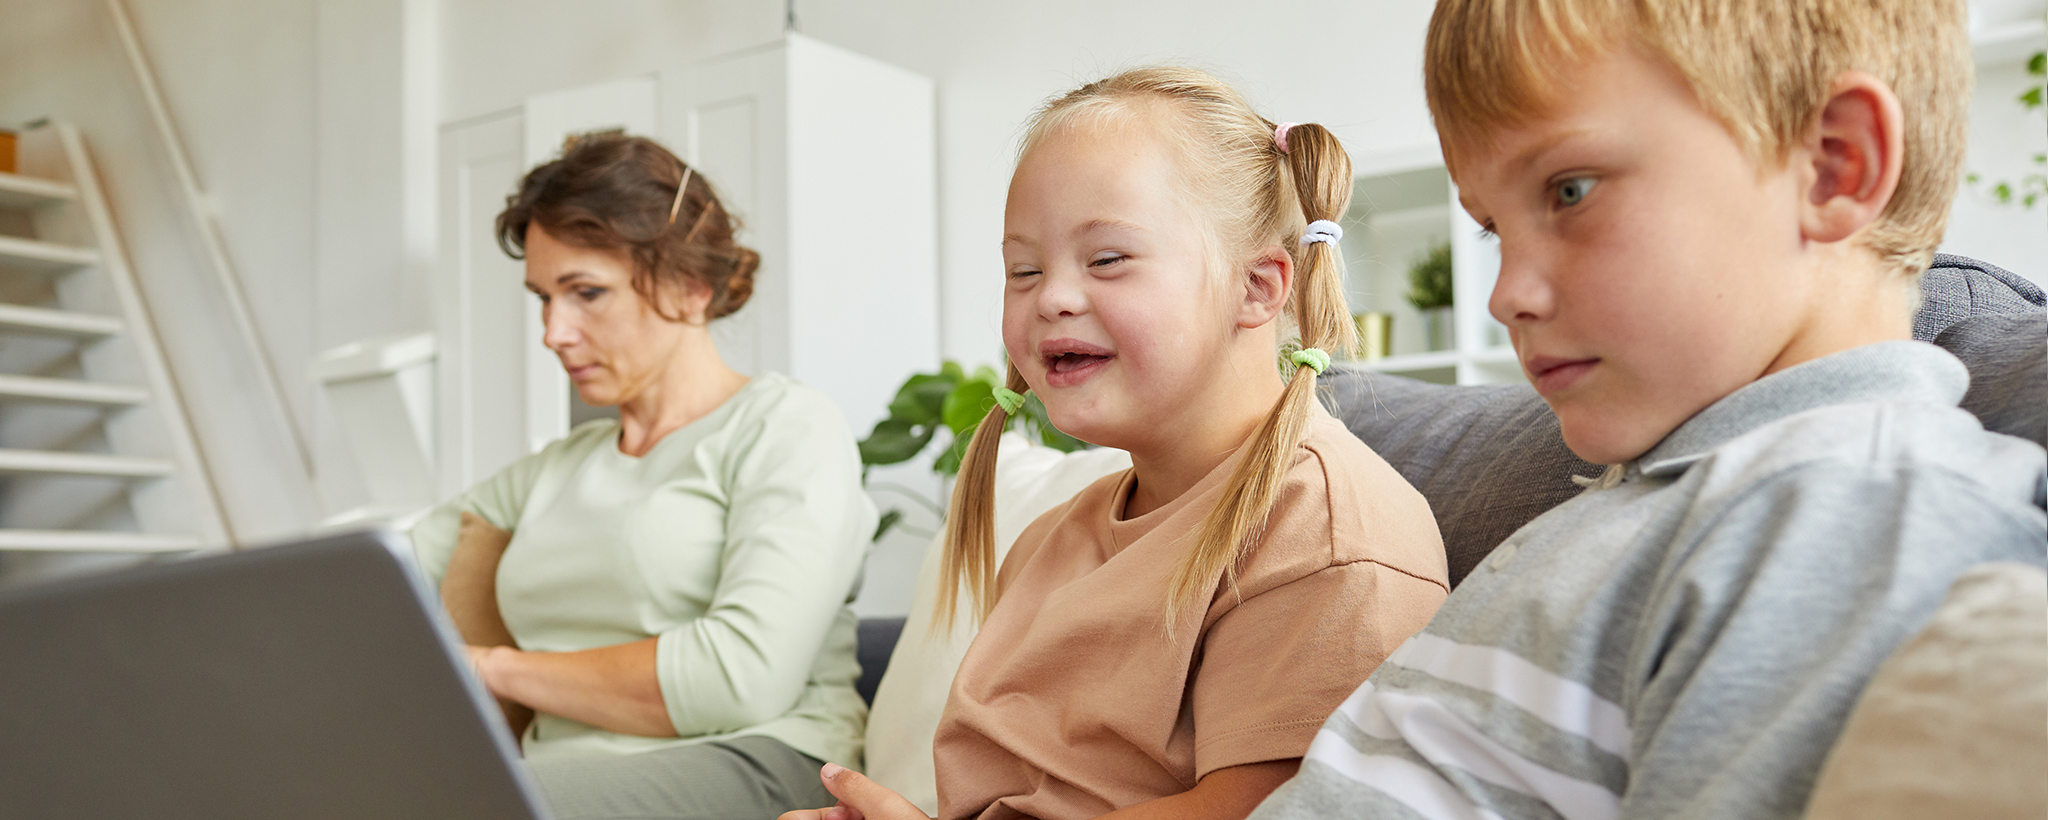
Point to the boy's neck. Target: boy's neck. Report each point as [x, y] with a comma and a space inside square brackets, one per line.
[1853, 300]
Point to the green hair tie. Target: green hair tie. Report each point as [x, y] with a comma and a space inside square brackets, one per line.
[1314, 358]
[1010, 400]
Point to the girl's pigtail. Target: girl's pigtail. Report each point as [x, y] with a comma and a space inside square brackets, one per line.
[1315, 166]
[970, 556]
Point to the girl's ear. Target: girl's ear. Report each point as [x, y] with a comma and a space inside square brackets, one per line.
[1268, 281]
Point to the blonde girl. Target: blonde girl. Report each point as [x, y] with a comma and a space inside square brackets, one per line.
[1167, 643]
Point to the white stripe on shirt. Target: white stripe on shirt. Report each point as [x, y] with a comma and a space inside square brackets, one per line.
[1417, 787]
[1566, 704]
[1444, 740]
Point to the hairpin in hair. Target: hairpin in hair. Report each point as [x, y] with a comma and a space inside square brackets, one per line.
[677, 205]
[1010, 400]
[1280, 135]
[1322, 230]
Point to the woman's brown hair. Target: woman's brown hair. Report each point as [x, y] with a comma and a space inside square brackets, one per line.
[614, 192]
[1257, 195]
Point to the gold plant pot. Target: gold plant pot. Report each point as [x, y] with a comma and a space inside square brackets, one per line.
[1375, 334]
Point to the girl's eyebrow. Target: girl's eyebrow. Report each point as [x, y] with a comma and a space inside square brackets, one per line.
[1094, 225]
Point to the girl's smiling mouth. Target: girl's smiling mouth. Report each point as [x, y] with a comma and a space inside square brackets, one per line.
[1069, 362]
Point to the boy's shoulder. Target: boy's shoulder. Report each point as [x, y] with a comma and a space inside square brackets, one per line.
[1883, 415]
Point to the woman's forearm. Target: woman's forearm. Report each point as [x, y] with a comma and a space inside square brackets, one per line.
[610, 687]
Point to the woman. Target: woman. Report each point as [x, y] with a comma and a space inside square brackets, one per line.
[672, 584]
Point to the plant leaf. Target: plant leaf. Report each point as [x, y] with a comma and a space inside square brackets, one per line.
[948, 462]
[2031, 98]
[894, 441]
[888, 519]
[968, 403]
[2037, 65]
[921, 397]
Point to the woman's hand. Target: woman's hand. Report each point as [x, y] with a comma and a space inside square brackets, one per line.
[859, 799]
[611, 687]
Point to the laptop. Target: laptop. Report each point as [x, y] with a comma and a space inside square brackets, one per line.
[312, 680]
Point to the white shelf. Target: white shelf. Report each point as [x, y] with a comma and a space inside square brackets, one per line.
[19, 319]
[1412, 362]
[83, 464]
[30, 254]
[69, 391]
[2008, 41]
[18, 191]
[92, 541]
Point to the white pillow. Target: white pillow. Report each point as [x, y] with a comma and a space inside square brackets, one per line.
[1030, 479]
[1955, 722]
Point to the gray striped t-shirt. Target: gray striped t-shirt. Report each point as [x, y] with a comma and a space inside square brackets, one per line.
[1686, 638]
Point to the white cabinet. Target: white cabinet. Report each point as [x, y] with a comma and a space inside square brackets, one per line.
[827, 157]
[1402, 205]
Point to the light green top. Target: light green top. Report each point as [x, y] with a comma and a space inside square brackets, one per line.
[737, 541]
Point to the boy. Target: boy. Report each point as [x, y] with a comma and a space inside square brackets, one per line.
[1711, 215]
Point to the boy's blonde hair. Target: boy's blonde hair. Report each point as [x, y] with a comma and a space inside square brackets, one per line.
[1761, 67]
[1255, 195]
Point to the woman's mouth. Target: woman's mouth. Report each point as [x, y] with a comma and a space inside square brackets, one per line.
[579, 373]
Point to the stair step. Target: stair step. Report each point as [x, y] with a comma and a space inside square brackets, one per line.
[18, 191]
[69, 391]
[93, 541]
[32, 254]
[85, 464]
[20, 319]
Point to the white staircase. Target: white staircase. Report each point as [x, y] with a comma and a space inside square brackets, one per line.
[96, 454]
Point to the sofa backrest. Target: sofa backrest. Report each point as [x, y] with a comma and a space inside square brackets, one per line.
[1491, 458]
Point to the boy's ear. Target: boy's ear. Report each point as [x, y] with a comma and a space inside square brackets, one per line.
[1267, 283]
[1852, 155]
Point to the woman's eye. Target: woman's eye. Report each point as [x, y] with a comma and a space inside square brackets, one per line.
[542, 297]
[1573, 191]
[587, 294]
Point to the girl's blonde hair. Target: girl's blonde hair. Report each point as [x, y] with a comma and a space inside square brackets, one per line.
[1257, 196]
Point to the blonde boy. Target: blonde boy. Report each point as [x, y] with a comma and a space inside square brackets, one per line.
[1711, 216]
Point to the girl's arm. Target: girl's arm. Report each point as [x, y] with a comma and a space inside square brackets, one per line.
[610, 687]
[1226, 794]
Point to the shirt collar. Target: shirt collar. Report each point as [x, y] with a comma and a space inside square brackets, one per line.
[1895, 371]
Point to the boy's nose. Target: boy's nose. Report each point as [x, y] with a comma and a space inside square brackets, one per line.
[1522, 294]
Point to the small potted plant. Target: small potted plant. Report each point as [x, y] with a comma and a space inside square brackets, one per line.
[1429, 290]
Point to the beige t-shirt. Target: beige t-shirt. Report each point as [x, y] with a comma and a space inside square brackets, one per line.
[1072, 703]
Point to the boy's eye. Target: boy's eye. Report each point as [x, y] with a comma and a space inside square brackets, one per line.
[1573, 191]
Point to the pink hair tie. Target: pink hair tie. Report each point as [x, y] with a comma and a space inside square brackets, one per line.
[1280, 135]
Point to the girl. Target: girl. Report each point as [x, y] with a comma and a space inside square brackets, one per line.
[1168, 642]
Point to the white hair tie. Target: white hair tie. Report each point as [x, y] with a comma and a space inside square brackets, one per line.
[1322, 230]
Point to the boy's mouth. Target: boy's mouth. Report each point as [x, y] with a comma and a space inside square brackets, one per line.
[1550, 374]
[1071, 361]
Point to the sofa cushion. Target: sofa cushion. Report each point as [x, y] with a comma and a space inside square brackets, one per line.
[1954, 724]
[1491, 458]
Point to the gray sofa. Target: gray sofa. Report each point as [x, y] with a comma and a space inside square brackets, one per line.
[1489, 459]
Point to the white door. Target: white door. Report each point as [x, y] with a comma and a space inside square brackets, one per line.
[482, 311]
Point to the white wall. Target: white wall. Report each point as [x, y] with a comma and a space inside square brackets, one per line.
[1352, 66]
[311, 123]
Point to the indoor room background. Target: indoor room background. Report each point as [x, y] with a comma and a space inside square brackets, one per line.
[333, 165]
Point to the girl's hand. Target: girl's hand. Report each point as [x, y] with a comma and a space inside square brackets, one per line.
[859, 799]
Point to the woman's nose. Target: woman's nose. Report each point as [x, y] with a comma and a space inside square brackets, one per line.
[560, 326]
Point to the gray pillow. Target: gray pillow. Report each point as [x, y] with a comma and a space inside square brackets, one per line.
[1491, 458]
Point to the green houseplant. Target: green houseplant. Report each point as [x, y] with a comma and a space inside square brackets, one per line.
[953, 400]
[1430, 291]
[2032, 187]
